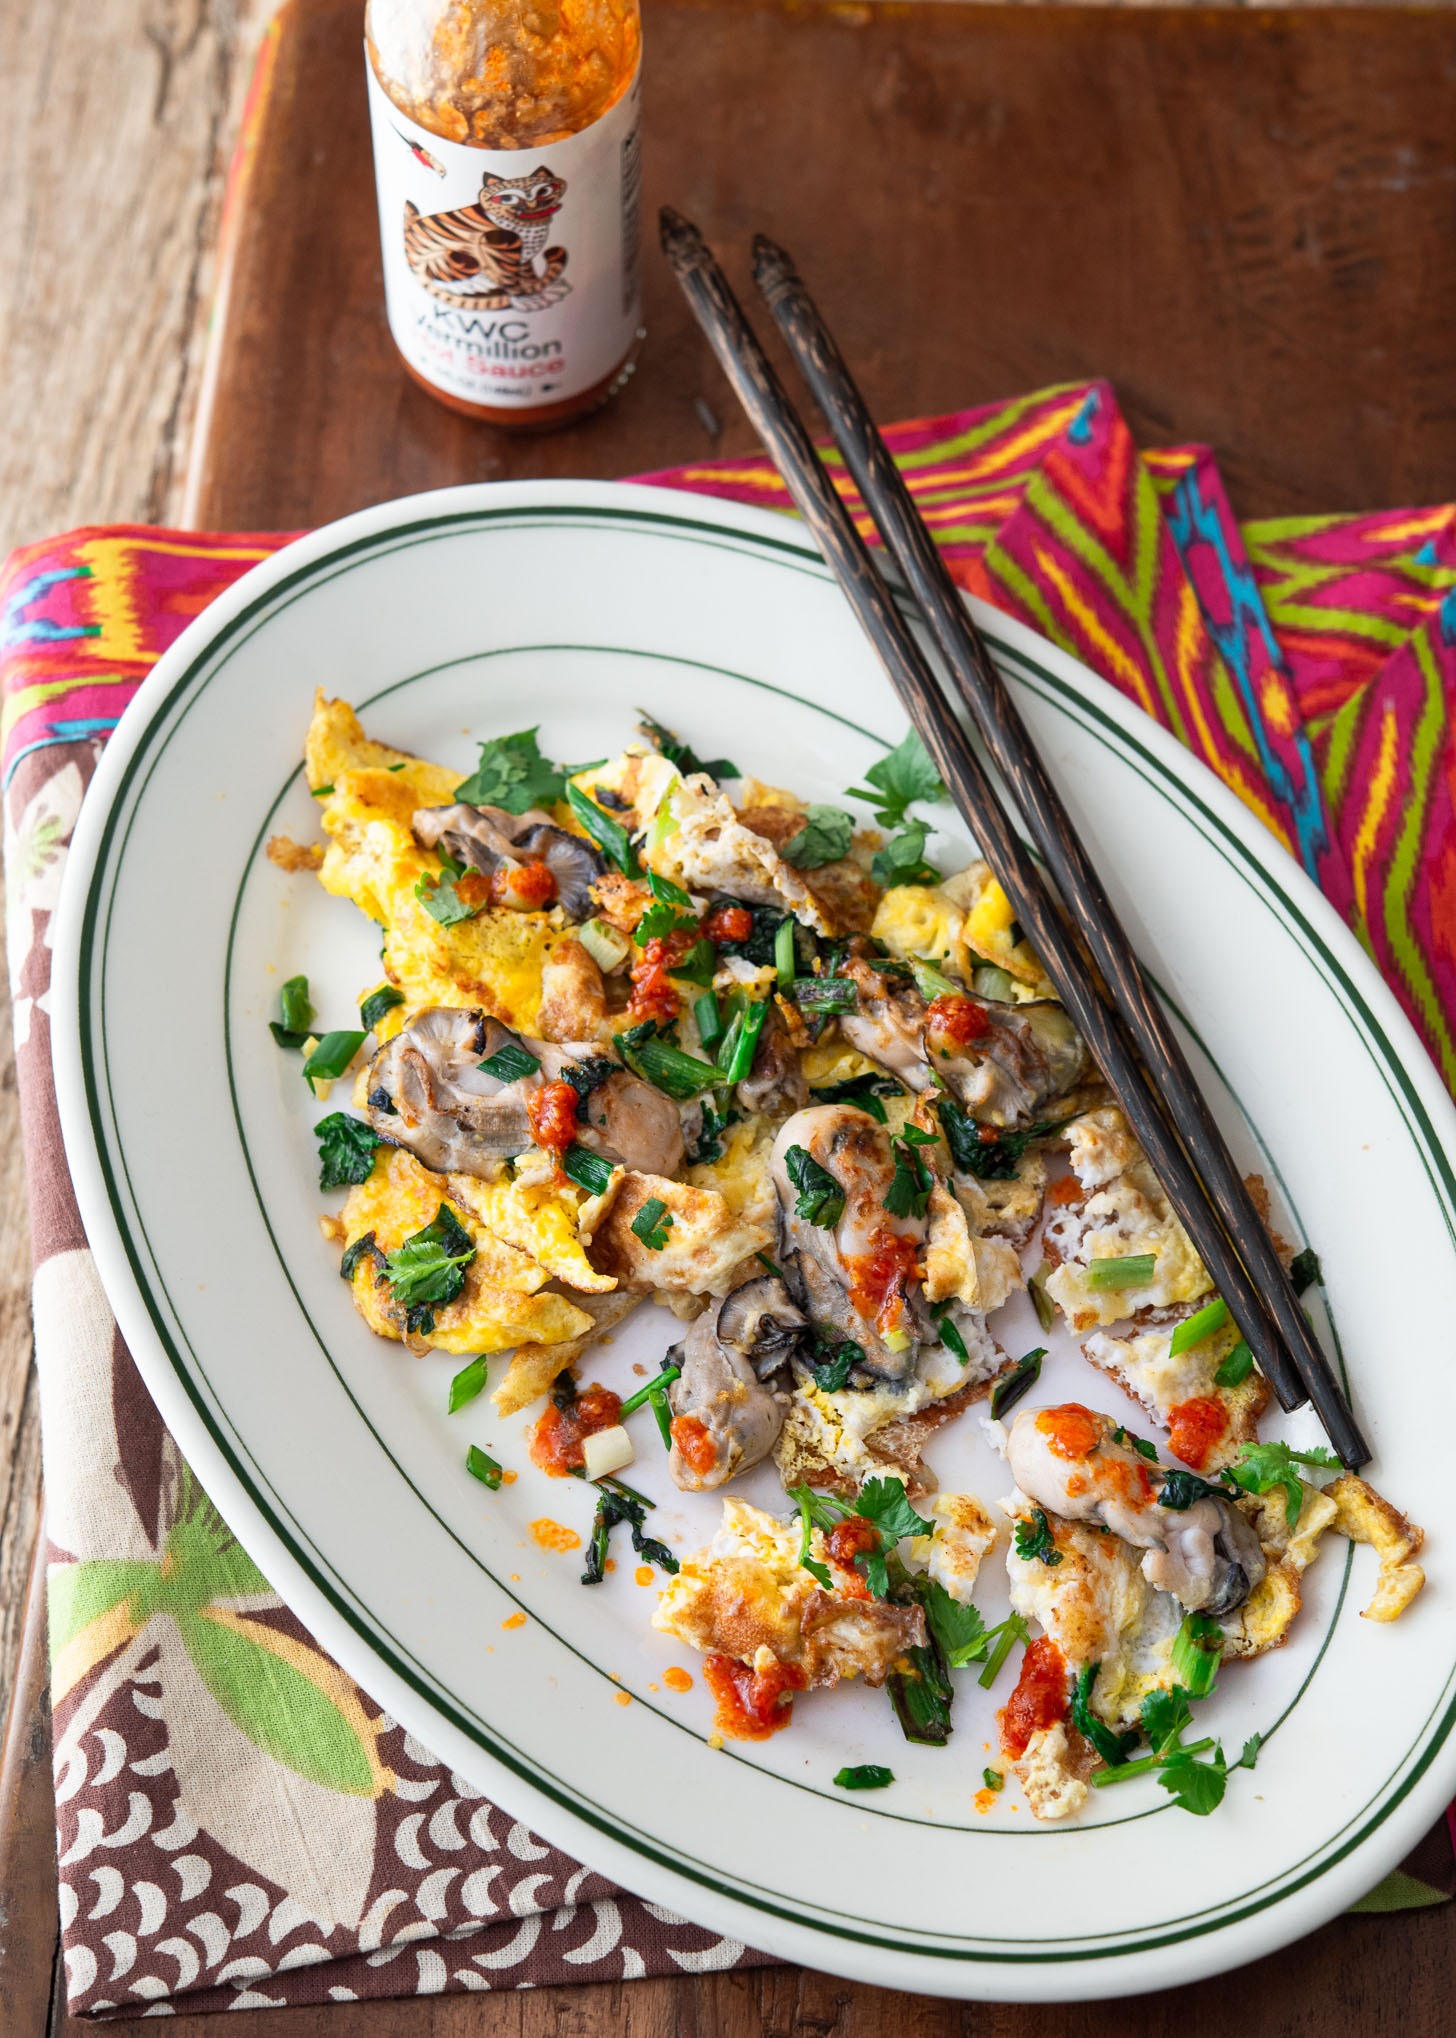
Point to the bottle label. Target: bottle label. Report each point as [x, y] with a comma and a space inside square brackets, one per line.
[511, 276]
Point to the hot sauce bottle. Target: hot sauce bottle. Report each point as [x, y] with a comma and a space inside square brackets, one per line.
[508, 161]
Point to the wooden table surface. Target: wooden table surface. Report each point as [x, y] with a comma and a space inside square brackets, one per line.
[1246, 220]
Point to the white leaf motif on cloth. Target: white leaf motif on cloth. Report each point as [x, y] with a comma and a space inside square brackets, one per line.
[209, 1928]
[443, 1830]
[151, 1908]
[524, 1844]
[406, 1842]
[252, 1904]
[35, 854]
[607, 1933]
[109, 1891]
[711, 1959]
[433, 1892]
[518, 1949]
[476, 1894]
[192, 1872]
[371, 1927]
[123, 1949]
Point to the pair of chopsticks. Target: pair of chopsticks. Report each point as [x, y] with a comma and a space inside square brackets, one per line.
[1077, 934]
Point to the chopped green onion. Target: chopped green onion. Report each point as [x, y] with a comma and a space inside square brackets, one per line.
[645, 1393]
[658, 1062]
[587, 1169]
[467, 1383]
[666, 892]
[607, 947]
[1041, 1302]
[864, 1776]
[993, 1779]
[1197, 1652]
[320, 792]
[1011, 1386]
[480, 1465]
[1237, 1367]
[605, 830]
[662, 1414]
[332, 1056]
[784, 954]
[1011, 1631]
[1201, 1324]
[950, 1335]
[374, 1007]
[764, 1260]
[931, 983]
[826, 994]
[293, 1029]
[709, 1018]
[740, 1043]
[987, 981]
[1133, 1270]
[509, 1063]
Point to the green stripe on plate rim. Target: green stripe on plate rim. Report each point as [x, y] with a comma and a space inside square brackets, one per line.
[796, 556]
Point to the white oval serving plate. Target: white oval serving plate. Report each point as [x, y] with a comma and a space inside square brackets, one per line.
[452, 617]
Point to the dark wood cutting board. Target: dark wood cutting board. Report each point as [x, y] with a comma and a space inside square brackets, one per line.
[1247, 220]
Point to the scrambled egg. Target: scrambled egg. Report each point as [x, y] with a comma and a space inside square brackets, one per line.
[1125, 1214]
[494, 960]
[704, 1246]
[747, 1594]
[501, 1303]
[964, 1532]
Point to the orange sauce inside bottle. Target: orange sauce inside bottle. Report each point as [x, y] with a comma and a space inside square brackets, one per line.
[508, 74]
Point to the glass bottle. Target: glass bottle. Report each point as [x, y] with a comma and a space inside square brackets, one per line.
[508, 162]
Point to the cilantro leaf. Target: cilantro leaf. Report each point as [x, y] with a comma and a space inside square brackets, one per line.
[896, 780]
[884, 1502]
[652, 1224]
[427, 1270]
[1259, 1468]
[989, 1155]
[1197, 1786]
[824, 838]
[820, 1197]
[441, 900]
[1033, 1539]
[909, 1192]
[347, 1147]
[864, 1092]
[1181, 1490]
[1305, 1270]
[1249, 1753]
[865, 1776]
[959, 1630]
[513, 774]
[902, 860]
[682, 754]
[833, 1360]
[1139, 1444]
[1165, 1715]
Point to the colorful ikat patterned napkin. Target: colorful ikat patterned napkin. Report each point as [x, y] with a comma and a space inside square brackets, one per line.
[237, 1824]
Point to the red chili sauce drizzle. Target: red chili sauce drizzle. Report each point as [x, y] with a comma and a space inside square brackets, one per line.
[878, 1279]
[654, 996]
[695, 1446]
[551, 1113]
[1040, 1698]
[556, 1437]
[1195, 1427]
[751, 1704]
[728, 923]
[952, 1022]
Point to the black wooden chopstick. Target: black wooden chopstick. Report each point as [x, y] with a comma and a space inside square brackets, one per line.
[1009, 743]
[787, 440]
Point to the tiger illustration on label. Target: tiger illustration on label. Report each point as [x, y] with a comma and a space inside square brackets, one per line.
[492, 255]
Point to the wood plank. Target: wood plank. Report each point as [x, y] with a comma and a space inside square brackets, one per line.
[1189, 203]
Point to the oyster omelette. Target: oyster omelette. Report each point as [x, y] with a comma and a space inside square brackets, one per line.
[650, 1031]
